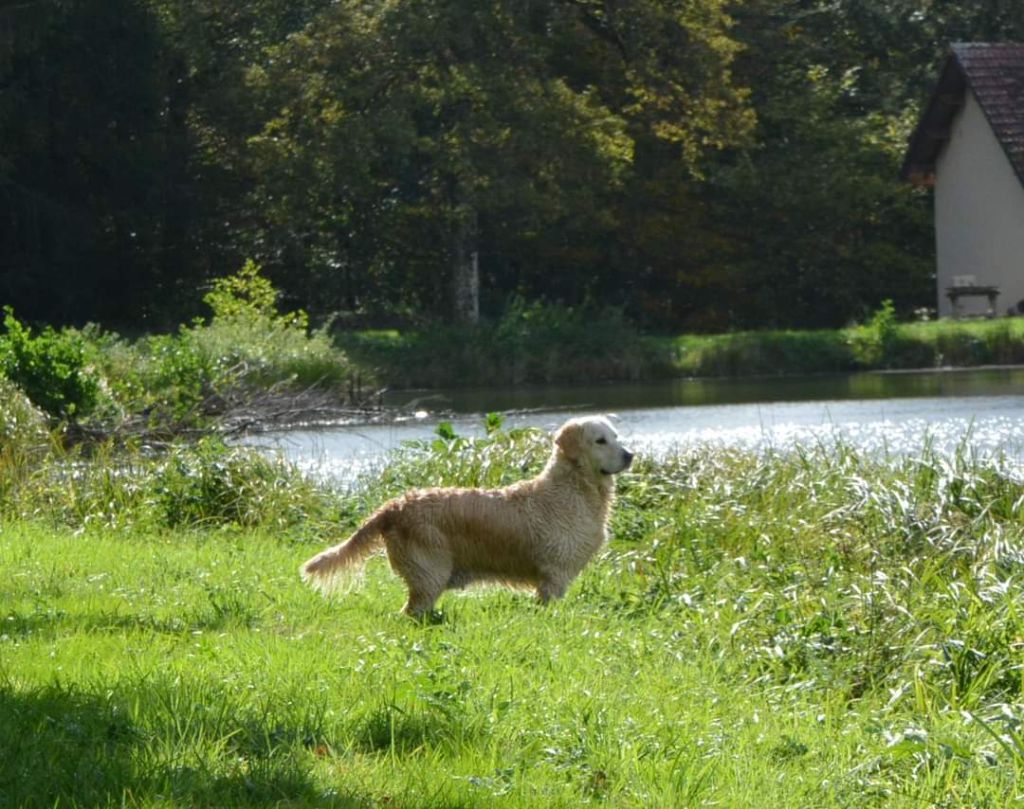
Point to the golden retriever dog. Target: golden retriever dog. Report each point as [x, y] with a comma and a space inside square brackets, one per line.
[537, 533]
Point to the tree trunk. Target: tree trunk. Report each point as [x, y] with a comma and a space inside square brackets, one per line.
[466, 270]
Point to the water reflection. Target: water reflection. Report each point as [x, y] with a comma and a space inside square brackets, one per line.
[618, 396]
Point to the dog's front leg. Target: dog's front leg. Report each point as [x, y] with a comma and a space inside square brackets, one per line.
[551, 589]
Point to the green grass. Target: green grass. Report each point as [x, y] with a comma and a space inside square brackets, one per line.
[754, 353]
[969, 342]
[814, 629]
[943, 343]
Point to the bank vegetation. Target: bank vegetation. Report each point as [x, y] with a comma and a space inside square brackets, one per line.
[249, 366]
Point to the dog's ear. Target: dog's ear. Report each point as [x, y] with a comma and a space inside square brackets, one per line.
[569, 440]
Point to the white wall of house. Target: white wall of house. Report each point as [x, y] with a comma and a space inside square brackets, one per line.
[979, 214]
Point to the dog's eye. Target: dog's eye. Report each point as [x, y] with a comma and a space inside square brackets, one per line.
[601, 441]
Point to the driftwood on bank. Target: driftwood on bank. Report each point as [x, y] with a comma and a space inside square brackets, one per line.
[273, 410]
[238, 413]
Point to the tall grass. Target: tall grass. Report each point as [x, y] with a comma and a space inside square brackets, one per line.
[815, 628]
[208, 483]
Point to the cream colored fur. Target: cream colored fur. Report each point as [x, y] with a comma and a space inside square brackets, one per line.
[538, 533]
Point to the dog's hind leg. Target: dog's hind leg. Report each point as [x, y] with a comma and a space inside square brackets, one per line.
[420, 603]
[423, 560]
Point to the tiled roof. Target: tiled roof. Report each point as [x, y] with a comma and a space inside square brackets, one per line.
[995, 74]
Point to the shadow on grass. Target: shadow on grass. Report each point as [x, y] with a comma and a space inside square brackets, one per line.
[62, 747]
[216, 616]
[392, 729]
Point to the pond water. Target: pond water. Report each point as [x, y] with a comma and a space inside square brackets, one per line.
[896, 413]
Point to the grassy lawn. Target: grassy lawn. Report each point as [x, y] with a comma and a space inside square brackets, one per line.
[819, 629]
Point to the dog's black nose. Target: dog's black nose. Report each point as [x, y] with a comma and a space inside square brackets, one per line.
[627, 457]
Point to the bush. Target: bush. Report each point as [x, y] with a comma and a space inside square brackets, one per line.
[184, 377]
[50, 368]
[541, 342]
[873, 346]
[178, 375]
[248, 343]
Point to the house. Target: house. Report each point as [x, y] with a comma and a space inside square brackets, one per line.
[969, 146]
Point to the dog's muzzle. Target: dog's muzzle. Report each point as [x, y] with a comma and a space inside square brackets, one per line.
[627, 459]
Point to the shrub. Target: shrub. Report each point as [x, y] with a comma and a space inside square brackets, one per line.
[248, 342]
[542, 342]
[50, 368]
[246, 295]
[874, 344]
[178, 375]
[184, 377]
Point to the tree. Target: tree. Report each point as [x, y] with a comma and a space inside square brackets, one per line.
[428, 136]
[819, 227]
[83, 146]
[388, 156]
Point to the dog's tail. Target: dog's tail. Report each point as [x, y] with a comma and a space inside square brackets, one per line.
[328, 570]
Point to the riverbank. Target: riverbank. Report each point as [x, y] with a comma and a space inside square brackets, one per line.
[453, 357]
[158, 644]
[250, 366]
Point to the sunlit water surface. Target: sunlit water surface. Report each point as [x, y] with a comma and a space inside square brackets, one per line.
[980, 412]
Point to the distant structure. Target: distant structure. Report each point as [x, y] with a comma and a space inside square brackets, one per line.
[969, 145]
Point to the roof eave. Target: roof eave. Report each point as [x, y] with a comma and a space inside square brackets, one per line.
[933, 128]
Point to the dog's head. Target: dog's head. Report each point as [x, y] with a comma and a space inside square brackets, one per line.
[592, 443]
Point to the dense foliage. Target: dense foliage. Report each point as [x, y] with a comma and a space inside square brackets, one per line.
[49, 367]
[701, 163]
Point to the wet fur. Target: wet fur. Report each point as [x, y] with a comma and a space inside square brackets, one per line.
[537, 533]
